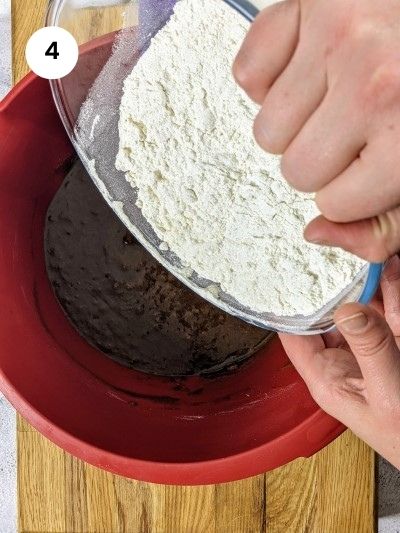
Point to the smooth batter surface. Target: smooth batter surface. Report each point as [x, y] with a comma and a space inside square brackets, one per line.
[123, 302]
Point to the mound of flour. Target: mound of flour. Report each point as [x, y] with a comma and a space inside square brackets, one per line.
[210, 193]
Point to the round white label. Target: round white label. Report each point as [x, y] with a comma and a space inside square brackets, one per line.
[52, 53]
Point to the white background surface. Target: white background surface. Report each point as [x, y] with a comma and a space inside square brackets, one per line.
[5, 47]
[8, 471]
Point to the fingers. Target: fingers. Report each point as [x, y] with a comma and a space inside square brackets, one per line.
[267, 48]
[375, 239]
[331, 375]
[390, 286]
[303, 351]
[332, 137]
[292, 99]
[373, 345]
[325, 147]
[367, 188]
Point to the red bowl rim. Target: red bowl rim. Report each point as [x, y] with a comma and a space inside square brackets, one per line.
[304, 440]
[255, 461]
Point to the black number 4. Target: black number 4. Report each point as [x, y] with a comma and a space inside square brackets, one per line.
[53, 50]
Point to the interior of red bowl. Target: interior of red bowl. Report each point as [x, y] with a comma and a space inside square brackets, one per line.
[194, 430]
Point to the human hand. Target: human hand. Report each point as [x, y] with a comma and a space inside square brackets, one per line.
[327, 74]
[354, 375]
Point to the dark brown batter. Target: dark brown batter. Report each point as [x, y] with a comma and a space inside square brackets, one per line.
[123, 302]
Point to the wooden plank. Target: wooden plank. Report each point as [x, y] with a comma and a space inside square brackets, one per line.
[27, 18]
[331, 492]
[40, 497]
[60, 494]
[241, 506]
[346, 473]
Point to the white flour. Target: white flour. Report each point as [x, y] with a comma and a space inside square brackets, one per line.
[210, 193]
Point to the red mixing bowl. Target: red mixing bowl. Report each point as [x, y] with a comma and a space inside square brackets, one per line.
[193, 431]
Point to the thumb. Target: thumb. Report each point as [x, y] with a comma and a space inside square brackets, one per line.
[375, 239]
[373, 345]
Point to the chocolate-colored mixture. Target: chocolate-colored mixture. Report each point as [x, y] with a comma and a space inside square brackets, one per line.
[123, 302]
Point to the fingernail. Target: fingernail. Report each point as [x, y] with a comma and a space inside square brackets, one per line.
[353, 323]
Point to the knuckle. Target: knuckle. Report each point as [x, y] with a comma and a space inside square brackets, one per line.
[383, 86]
[382, 82]
[362, 31]
[374, 343]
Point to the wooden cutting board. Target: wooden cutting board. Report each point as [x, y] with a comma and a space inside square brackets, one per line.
[333, 492]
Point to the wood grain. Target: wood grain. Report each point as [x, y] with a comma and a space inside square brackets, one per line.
[28, 16]
[329, 493]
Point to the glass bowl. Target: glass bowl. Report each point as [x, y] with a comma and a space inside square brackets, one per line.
[112, 35]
